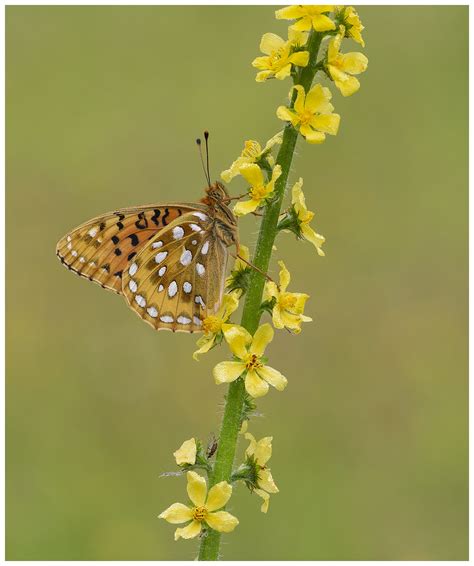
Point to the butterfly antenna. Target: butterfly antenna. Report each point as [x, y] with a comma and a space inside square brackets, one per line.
[206, 138]
[206, 175]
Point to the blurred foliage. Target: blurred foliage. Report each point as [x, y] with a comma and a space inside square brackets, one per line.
[370, 437]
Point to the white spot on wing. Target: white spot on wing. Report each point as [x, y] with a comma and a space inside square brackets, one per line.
[184, 320]
[195, 228]
[132, 269]
[156, 245]
[69, 246]
[160, 288]
[162, 271]
[93, 231]
[68, 238]
[198, 300]
[194, 242]
[201, 215]
[178, 232]
[140, 300]
[205, 248]
[160, 256]
[187, 287]
[152, 312]
[186, 257]
[172, 289]
[200, 269]
[82, 259]
[74, 253]
[167, 319]
[197, 321]
[132, 285]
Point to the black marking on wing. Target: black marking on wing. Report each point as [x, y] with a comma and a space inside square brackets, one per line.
[142, 223]
[134, 239]
[156, 216]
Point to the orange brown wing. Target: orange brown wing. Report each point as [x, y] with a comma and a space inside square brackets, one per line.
[101, 248]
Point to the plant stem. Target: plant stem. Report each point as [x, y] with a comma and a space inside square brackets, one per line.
[251, 314]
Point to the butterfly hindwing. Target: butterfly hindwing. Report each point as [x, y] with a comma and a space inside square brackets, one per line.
[101, 249]
[177, 279]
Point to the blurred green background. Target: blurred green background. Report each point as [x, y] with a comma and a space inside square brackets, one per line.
[370, 437]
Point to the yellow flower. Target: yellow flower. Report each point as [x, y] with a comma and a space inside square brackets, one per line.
[259, 191]
[204, 509]
[249, 352]
[279, 56]
[252, 153]
[312, 113]
[289, 307]
[186, 453]
[304, 217]
[351, 21]
[308, 17]
[341, 66]
[261, 452]
[214, 324]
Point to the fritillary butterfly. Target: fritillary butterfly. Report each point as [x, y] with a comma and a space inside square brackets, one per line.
[169, 261]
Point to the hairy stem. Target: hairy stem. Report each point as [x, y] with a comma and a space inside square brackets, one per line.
[231, 421]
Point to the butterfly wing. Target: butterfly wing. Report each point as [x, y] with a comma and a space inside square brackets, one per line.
[101, 248]
[178, 277]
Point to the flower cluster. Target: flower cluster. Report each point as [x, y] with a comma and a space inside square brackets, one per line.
[309, 115]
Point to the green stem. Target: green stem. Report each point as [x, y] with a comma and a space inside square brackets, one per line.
[231, 421]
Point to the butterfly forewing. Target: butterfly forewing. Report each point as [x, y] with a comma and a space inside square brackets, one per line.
[102, 248]
[177, 279]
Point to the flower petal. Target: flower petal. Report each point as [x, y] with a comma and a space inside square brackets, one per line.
[238, 339]
[284, 277]
[222, 521]
[265, 481]
[300, 58]
[225, 372]
[263, 450]
[186, 453]
[218, 496]
[197, 489]
[266, 499]
[277, 317]
[270, 42]
[177, 513]
[246, 207]
[304, 24]
[348, 85]
[273, 377]
[299, 105]
[283, 72]
[190, 531]
[323, 23]
[262, 337]
[312, 136]
[253, 443]
[328, 123]
[284, 113]
[290, 13]
[316, 239]
[354, 63]
[255, 386]
[205, 343]
[317, 100]
[261, 63]
[252, 174]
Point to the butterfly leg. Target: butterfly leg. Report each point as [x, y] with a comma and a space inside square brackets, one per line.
[250, 264]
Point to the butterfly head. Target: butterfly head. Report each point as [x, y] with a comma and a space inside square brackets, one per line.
[215, 194]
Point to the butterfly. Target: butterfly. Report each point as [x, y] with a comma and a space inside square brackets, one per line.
[168, 261]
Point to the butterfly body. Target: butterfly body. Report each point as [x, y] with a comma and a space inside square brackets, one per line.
[169, 261]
